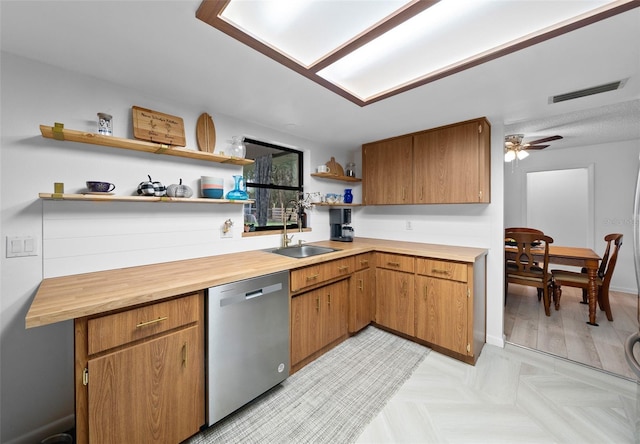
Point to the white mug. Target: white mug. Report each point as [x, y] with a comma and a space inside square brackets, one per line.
[323, 169]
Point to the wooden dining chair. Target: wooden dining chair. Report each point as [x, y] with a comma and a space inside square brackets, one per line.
[521, 267]
[580, 280]
[522, 229]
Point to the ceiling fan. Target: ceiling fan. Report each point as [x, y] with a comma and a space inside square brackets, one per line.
[515, 149]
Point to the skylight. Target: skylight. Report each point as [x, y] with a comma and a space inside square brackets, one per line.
[368, 50]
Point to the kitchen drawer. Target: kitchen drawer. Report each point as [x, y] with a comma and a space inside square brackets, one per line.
[363, 261]
[117, 329]
[316, 274]
[453, 271]
[396, 262]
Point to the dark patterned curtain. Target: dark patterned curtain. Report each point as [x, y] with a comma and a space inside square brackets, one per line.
[263, 175]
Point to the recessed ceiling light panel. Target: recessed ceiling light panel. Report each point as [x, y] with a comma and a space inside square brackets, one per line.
[368, 50]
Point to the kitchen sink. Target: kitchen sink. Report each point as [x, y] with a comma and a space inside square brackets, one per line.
[301, 251]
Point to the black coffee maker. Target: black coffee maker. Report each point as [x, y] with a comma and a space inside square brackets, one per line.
[339, 220]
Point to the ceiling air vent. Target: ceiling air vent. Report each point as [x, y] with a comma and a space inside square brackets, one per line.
[588, 91]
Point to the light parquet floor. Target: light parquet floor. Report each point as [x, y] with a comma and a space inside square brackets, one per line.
[511, 395]
[566, 334]
[572, 392]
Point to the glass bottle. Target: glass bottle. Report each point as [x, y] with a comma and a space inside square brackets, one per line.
[239, 191]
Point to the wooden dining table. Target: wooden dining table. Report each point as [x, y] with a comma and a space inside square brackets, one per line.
[577, 257]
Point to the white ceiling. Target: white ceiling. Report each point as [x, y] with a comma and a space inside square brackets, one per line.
[161, 48]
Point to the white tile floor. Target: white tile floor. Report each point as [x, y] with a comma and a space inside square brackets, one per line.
[512, 395]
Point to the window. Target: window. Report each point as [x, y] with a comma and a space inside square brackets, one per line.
[273, 181]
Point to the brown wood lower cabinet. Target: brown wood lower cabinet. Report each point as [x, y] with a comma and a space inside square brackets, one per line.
[395, 292]
[362, 297]
[147, 384]
[394, 300]
[441, 313]
[318, 319]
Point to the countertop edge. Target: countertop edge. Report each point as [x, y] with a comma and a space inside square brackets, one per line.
[54, 302]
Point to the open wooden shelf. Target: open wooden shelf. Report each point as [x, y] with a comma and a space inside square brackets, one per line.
[58, 132]
[116, 198]
[336, 177]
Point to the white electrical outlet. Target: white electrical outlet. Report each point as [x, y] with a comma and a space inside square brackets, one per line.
[408, 225]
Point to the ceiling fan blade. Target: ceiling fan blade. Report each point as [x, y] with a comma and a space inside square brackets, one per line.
[535, 147]
[546, 139]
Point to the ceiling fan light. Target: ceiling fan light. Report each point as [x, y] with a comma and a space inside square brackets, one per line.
[509, 156]
[522, 154]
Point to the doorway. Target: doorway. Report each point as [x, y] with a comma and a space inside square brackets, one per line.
[560, 203]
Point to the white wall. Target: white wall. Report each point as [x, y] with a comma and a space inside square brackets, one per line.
[615, 170]
[36, 371]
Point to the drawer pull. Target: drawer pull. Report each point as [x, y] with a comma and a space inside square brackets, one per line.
[153, 321]
[393, 264]
[343, 268]
[312, 277]
[440, 271]
[364, 262]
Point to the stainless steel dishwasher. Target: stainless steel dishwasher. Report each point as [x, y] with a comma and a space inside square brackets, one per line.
[247, 341]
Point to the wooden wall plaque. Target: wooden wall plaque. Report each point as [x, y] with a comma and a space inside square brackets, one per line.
[158, 127]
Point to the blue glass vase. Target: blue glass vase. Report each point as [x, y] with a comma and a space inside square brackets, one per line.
[240, 190]
[348, 197]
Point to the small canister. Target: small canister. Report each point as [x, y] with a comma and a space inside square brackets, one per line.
[351, 170]
[105, 124]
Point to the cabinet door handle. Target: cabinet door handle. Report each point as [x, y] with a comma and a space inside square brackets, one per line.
[153, 321]
[318, 304]
[425, 293]
[329, 299]
[184, 355]
[312, 277]
[361, 284]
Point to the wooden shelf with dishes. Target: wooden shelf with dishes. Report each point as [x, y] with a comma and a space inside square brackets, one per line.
[58, 132]
[336, 177]
[105, 197]
[326, 204]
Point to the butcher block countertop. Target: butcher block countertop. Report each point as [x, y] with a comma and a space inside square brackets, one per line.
[70, 297]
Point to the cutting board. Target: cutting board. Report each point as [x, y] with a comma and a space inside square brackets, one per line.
[335, 168]
[158, 127]
[206, 133]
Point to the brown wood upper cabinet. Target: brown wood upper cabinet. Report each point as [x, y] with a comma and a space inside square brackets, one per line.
[449, 164]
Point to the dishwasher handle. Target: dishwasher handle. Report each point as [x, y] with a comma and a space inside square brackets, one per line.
[246, 296]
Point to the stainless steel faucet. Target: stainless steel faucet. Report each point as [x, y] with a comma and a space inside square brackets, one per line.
[286, 240]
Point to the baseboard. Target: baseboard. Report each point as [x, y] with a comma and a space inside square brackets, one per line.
[63, 425]
[495, 340]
